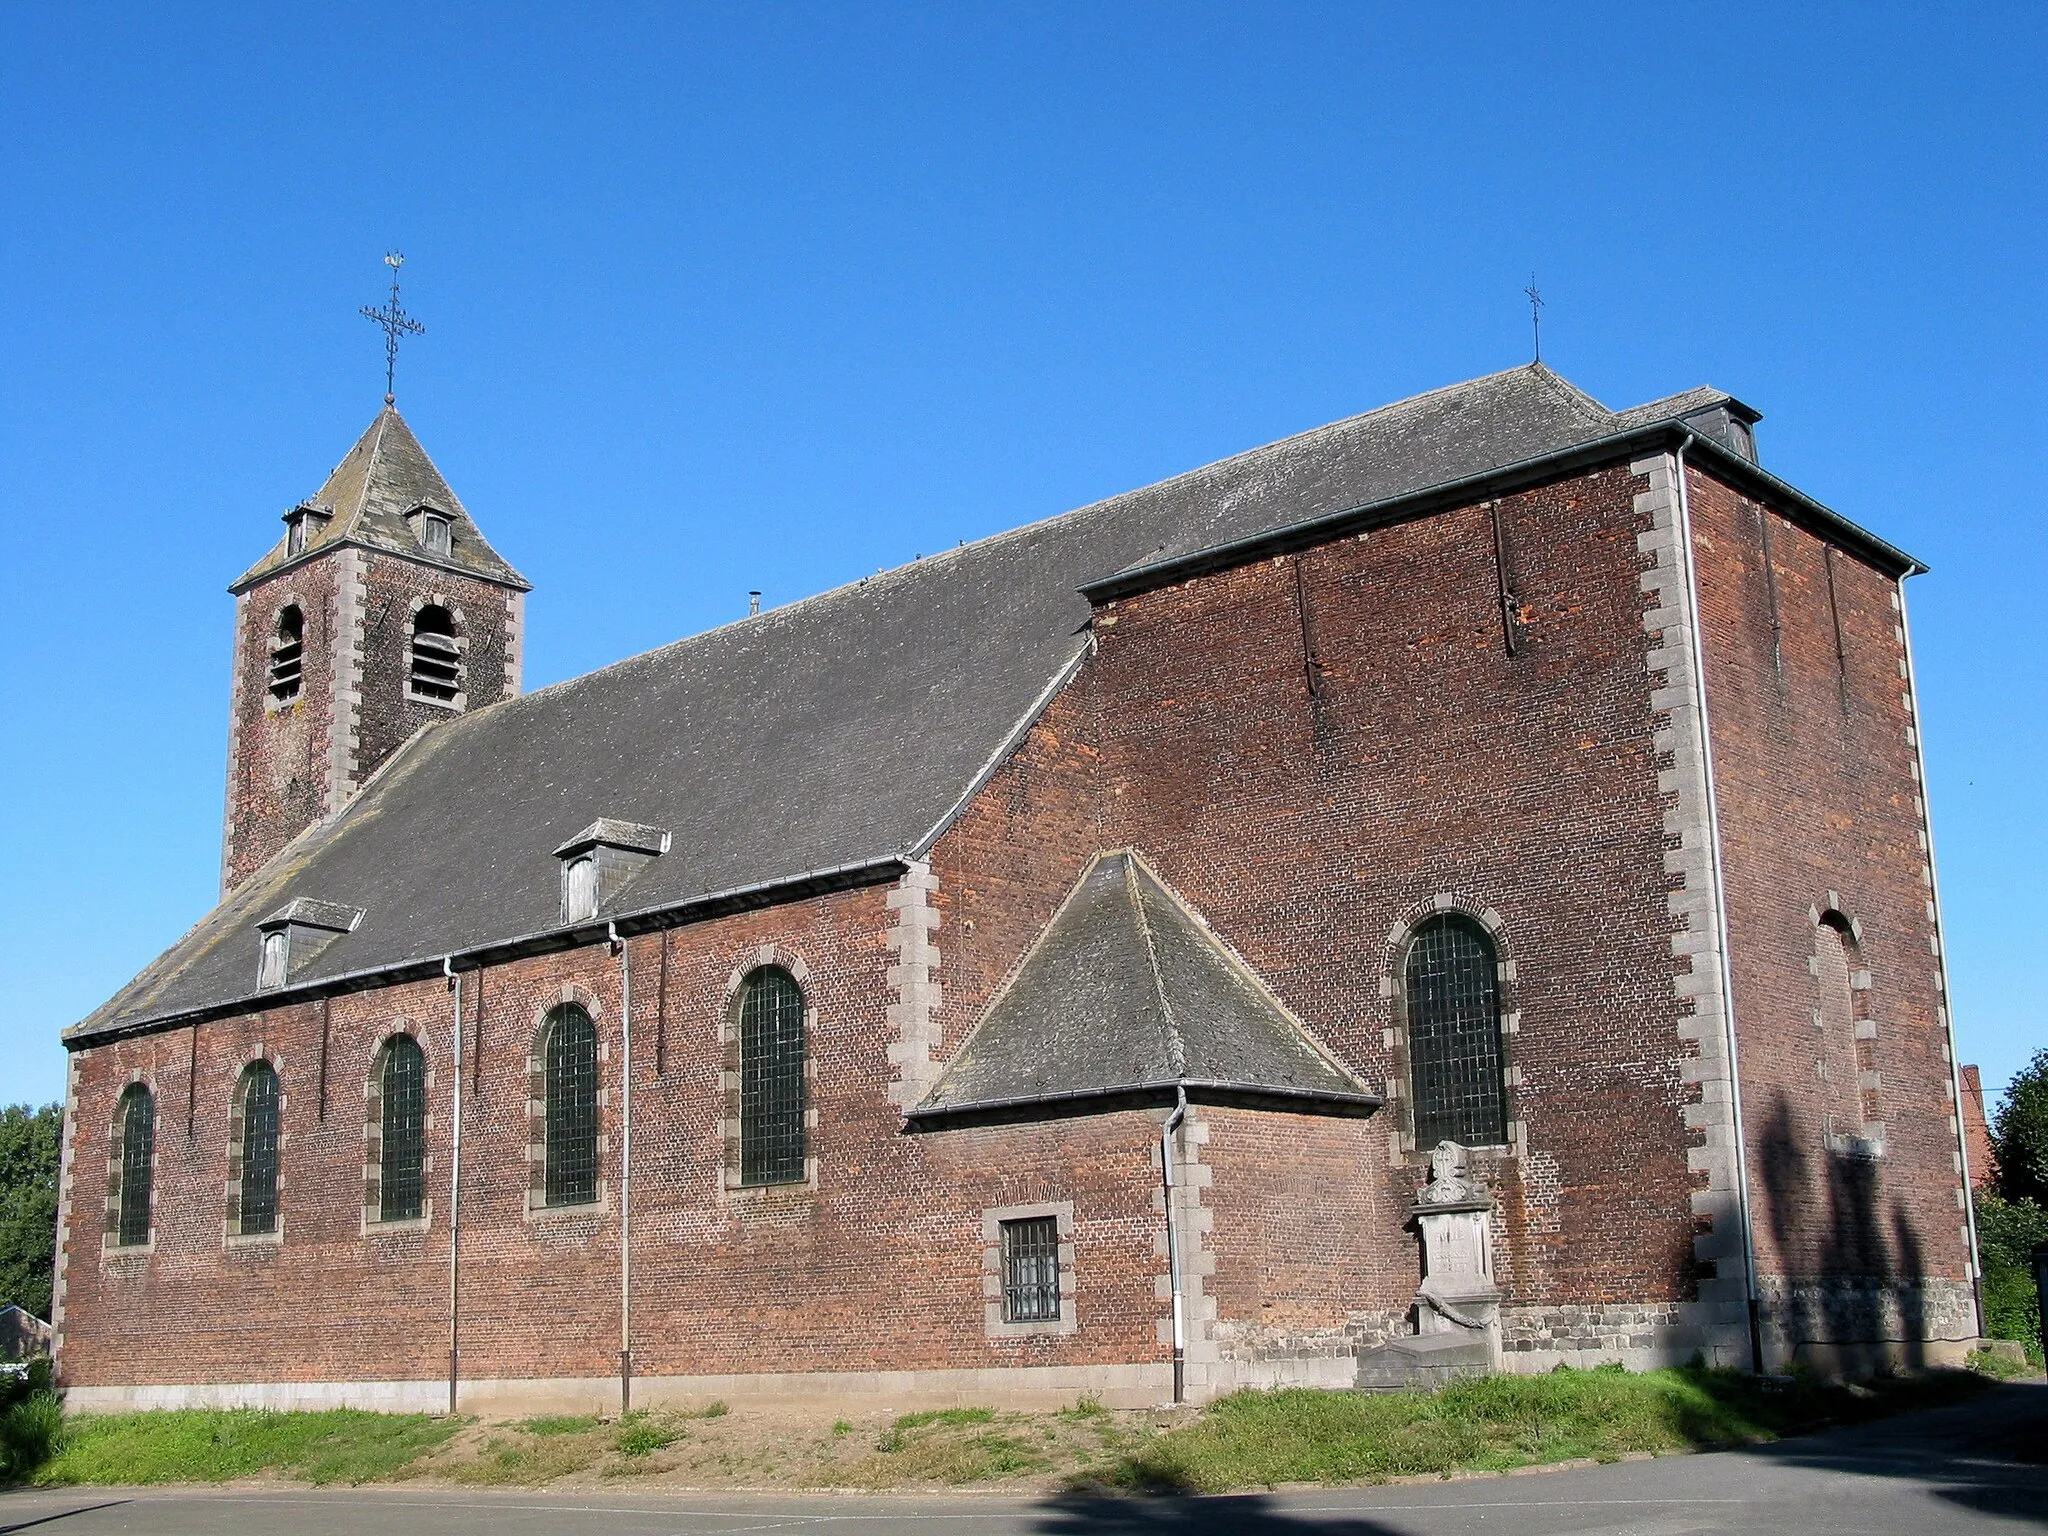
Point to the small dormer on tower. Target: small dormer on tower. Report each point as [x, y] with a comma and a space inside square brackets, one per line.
[383, 609]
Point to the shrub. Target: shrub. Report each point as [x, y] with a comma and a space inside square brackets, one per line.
[2008, 1231]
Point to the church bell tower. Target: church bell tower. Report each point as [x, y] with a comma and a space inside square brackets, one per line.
[381, 611]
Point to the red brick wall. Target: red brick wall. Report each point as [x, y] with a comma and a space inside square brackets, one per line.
[876, 1265]
[1817, 784]
[279, 761]
[1015, 851]
[392, 591]
[1307, 826]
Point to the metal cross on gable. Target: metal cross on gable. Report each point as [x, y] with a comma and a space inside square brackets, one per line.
[396, 323]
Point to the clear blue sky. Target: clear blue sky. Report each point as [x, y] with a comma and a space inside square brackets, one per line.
[772, 296]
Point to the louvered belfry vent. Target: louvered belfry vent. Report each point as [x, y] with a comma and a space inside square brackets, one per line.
[436, 656]
[288, 654]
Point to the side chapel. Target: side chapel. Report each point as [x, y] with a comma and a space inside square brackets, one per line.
[1447, 891]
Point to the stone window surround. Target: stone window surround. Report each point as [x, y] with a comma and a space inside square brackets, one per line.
[111, 1245]
[461, 622]
[373, 1135]
[992, 1219]
[231, 1222]
[537, 1210]
[1400, 1091]
[730, 1187]
[1869, 1142]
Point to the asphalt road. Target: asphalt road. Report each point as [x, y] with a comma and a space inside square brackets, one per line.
[1979, 1467]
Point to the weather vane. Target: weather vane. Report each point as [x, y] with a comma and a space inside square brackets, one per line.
[396, 323]
[1535, 317]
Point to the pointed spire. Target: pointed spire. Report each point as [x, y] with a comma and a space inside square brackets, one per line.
[369, 497]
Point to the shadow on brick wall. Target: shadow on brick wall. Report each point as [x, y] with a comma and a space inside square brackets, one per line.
[1855, 1262]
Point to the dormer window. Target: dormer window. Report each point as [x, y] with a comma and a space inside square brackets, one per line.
[436, 656]
[277, 950]
[601, 860]
[579, 889]
[432, 527]
[287, 653]
[297, 932]
[301, 525]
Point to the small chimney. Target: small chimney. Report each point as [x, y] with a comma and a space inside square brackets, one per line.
[753, 604]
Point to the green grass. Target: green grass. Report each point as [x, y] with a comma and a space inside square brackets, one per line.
[561, 1424]
[195, 1445]
[644, 1436]
[1260, 1439]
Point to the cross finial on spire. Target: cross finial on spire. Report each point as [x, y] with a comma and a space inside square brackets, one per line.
[396, 323]
[1535, 315]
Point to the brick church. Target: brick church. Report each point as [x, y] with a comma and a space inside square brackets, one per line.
[1072, 964]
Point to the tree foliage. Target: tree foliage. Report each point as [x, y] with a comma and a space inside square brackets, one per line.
[2019, 1134]
[30, 1140]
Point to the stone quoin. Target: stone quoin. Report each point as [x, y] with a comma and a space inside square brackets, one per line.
[1048, 969]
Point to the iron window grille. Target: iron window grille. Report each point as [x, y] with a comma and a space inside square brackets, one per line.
[436, 658]
[1031, 1270]
[259, 1150]
[571, 1109]
[402, 1136]
[288, 653]
[138, 1152]
[1454, 1044]
[771, 1078]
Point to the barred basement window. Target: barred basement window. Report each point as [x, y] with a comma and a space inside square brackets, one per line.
[259, 1150]
[436, 659]
[1031, 1270]
[133, 1174]
[287, 653]
[402, 1135]
[571, 1065]
[771, 1078]
[1456, 1074]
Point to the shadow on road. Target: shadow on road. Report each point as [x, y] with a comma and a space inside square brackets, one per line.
[1238, 1515]
[1990, 1455]
[7, 1526]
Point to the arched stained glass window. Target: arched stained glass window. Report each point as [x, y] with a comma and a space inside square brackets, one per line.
[402, 1136]
[771, 1028]
[258, 1206]
[1455, 1068]
[136, 1168]
[571, 1069]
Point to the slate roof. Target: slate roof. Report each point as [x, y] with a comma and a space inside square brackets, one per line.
[1128, 993]
[386, 475]
[811, 743]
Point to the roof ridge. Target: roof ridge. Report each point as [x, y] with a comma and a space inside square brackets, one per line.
[1176, 1047]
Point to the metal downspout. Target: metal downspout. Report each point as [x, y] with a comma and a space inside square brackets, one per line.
[1180, 1335]
[1699, 668]
[455, 1195]
[625, 1169]
[1948, 1009]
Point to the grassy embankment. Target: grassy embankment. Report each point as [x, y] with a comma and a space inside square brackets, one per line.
[1254, 1439]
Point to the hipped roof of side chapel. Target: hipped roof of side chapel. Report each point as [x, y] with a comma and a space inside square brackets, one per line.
[367, 499]
[843, 731]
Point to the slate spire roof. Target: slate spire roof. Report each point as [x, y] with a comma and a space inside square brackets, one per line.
[1128, 994]
[365, 501]
[830, 739]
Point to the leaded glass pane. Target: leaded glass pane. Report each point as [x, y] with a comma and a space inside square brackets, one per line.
[1031, 1270]
[1454, 1047]
[138, 1150]
[771, 1078]
[259, 1149]
[572, 1108]
[403, 1135]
